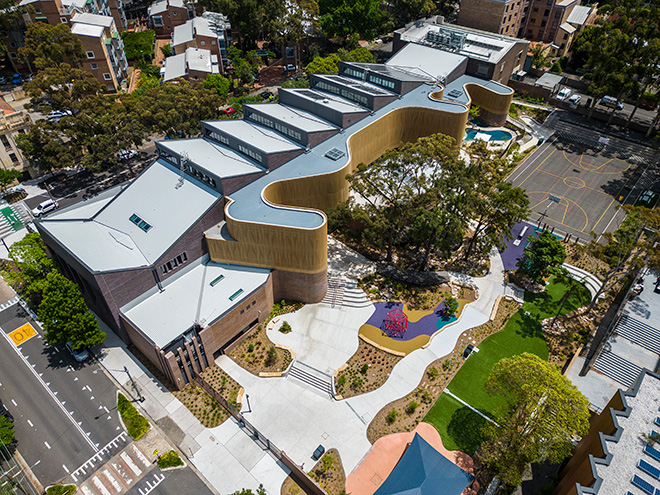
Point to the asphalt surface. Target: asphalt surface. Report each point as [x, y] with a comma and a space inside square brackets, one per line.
[177, 482]
[64, 411]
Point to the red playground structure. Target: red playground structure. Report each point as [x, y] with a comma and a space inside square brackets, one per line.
[396, 323]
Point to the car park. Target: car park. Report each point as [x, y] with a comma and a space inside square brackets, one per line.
[575, 99]
[563, 94]
[44, 207]
[79, 355]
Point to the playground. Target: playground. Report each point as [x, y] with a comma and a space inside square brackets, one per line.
[396, 328]
[575, 189]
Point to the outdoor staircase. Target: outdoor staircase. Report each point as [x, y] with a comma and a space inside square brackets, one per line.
[617, 368]
[335, 294]
[354, 297]
[638, 332]
[311, 377]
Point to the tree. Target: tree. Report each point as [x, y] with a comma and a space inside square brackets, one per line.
[496, 212]
[330, 64]
[50, 46]
[32, 266]
[541, 257]
[539, 56]
[6, 431]
[45, 147]
[628, 248]
[247, 491]
[218, 83]
[8, 177]
[345, 18]
[542, 412]
[65, 316]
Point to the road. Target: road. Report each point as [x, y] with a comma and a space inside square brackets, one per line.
[64, 412]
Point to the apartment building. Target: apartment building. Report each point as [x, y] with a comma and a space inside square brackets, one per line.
[165, 15]
[104, 48]
[13, 123]
[209, 32]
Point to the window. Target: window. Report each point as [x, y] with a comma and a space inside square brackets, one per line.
[12, 44]
[535, 9]
[107, 76]
[13, 55]
[175, 13]
[546, 13]
[557, 14]
[217, 280]
[212, 42]
[63, 20]
[13, 157]
[178, 261]
[90, 55]
[157, 20]
[543, 23]
[203, 43]
[140, 223]
[236, 294]
[37, 11]
[95, 66]
[5, 141]
[532, 21]
[565, 36]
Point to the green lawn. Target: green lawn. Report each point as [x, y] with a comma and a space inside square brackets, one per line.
[459, 426]
[521, 334]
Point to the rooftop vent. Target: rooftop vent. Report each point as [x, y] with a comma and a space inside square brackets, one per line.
[334, 154]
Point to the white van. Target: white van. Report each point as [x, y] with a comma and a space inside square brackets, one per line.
[44, 207]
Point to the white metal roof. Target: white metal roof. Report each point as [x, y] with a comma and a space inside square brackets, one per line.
[87, 30]
[549, 80]
[109, 240]
[196, 59]
[198, 26]
[579, 15]
[189, 298]
[175, 67]
[295, 117]
[567, 28]
[199, 59]
[258, 136]
[217, 159]
[97, 20]
[426, 61]
[335, 102]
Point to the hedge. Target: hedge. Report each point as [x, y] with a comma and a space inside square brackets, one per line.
[61, 490]
[169, 459]
[136, 424]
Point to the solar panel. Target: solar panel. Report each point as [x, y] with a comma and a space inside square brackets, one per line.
[334, 154]
[649, 469]
[652, 452]
[643, 485]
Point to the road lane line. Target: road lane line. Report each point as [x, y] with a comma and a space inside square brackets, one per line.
[11, 343]
[65, 468]
[30, 423]
[14, 402]
[46, 444]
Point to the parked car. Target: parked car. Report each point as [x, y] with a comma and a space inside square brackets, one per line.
[17, 79]
[79, 355]
[468, 350]
[647, 105]
[125, 155]
[563, 94]
[56, 115]
[290, 68]
[575, 99]
[611, 102]
[28, 77]
[229, 111]
[320, 450]
[44, 207]
[3, 80]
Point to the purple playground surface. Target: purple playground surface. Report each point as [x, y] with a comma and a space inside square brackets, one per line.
[427, 325]
[511, 253]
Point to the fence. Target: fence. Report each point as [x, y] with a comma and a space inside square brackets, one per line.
[297, 473]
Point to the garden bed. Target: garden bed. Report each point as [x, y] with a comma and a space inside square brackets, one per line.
[136, 424]
[366, 370]
[328, 472]
[411, 409]
[256, 353]
[204, 407]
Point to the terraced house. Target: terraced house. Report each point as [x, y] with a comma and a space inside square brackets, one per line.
[222, 225]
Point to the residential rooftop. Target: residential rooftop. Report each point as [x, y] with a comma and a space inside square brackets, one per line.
[193, 59]
[94, 19]
[579, 15]
[92, 30]
[197, 26]
[427, 62]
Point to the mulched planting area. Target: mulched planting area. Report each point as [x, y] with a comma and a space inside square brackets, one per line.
[365, 371]
[328, 472]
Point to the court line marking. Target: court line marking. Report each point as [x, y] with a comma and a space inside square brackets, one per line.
[608, 206]
[532, 172]
[568, 201]
[595, 170]
[563, 178]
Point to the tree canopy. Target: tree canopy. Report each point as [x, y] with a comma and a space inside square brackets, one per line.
[416, 201]
[6, 431]
[543, 412]
[65, 316]
[346, 18]
[330, 64]
[32, 266]
[49, 46]
[542, 255]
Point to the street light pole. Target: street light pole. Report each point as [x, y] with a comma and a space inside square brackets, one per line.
[135, 387]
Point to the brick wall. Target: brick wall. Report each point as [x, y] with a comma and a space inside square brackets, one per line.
[482, 14]
[303, 287]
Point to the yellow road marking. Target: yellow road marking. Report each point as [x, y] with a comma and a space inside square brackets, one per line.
[23, 334]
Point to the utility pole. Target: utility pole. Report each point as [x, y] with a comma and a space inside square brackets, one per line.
[135, 387]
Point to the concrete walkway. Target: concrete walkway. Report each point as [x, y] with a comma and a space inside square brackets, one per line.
[297, 418]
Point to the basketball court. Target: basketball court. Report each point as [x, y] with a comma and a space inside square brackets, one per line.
[576, 189]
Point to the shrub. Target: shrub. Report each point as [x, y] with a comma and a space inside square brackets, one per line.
[139, 44]
[271, 356]
[169, 459]
[327, 463]
[412, 407]
[61, 490]
[364, 369]
[357, 383]
[166, 49]
[285, 328]
[341, 381]
[391, 416]
[250, 347]
[433, 373]
[136, 424]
